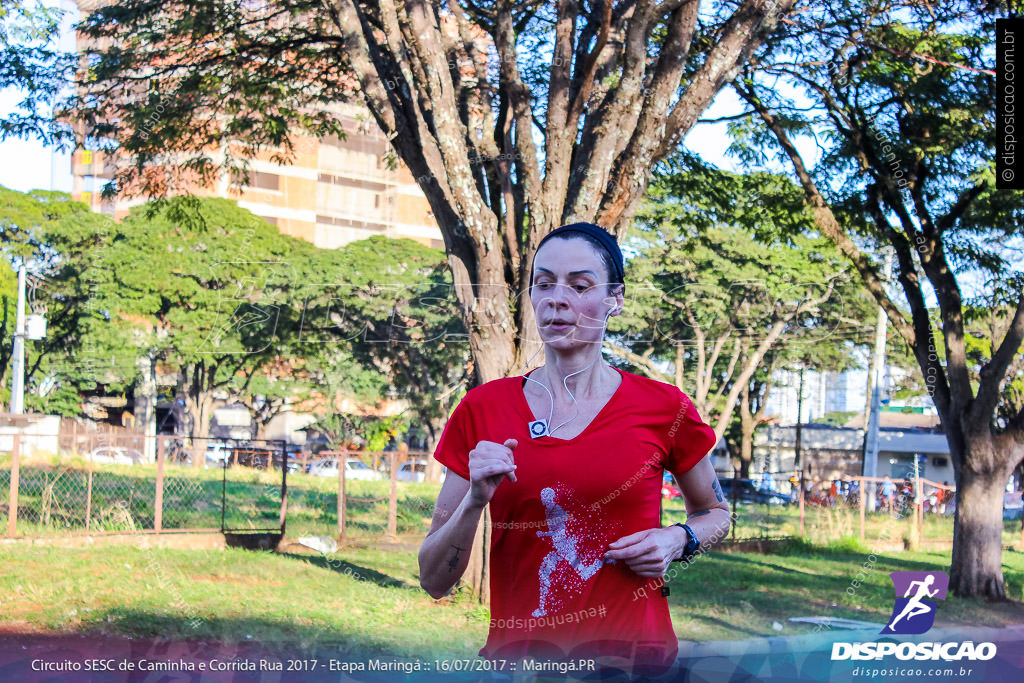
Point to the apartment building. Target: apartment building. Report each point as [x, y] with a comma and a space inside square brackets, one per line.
[335, 191]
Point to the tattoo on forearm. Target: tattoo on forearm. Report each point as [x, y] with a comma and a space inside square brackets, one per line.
[718, 491]
[452, 563]
[699, 513]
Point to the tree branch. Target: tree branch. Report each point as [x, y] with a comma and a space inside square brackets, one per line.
[993, 372]
[640, 362]
[824, 218]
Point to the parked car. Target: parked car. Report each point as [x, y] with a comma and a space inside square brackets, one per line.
[218, 454]
[669, 490]
[1012, 505]
[116, 455]
[354, 469]
[747, 492]
[415, 470]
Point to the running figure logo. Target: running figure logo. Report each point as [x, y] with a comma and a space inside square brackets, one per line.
[565, 547]
[914, 612]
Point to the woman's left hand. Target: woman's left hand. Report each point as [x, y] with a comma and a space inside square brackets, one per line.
[650, 552]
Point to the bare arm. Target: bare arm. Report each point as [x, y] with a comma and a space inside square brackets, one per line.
[650, 552]
[444, 554]
[445, 551]
[707, 511]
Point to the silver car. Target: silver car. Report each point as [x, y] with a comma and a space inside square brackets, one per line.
[354, 469]
[116, 455]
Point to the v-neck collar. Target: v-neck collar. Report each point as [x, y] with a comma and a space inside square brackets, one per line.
[524, 406]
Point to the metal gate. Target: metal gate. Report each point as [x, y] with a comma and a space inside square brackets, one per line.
[253, 508]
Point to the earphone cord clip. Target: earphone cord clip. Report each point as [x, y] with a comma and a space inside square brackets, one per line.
[576, 405]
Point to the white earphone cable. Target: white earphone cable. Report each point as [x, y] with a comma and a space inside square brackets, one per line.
[576, 405]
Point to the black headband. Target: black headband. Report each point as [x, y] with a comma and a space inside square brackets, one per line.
[601, 235]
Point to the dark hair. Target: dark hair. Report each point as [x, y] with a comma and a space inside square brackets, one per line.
[568, 233]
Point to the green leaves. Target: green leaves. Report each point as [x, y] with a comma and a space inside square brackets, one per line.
[729, 280]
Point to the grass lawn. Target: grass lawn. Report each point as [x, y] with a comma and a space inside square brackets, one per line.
[738, 595]
[368, 600]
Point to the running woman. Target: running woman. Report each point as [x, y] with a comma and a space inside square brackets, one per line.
[575, 449]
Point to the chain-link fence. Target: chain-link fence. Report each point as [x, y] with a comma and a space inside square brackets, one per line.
[114, 487]
[789, 504]
[761, 508]
[377, 504]
[5, 491]
[124, 483]
[167, 483]
[911, 512]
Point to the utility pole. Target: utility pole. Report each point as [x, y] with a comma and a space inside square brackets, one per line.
[18, 361]
[799, 419]
[878, 365]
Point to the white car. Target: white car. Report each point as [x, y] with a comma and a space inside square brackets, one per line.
[354, 469]
[218, 454]
[415, 470]
[115, 455]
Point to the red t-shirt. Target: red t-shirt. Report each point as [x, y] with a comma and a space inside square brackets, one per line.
[551, 593]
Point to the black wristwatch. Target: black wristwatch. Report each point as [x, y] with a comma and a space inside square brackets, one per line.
[692, 544]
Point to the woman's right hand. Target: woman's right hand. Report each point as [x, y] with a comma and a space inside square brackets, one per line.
[489, 464]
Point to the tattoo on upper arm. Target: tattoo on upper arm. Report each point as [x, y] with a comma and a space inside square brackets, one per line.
[718, 490]
[454, 561]
[699, 513]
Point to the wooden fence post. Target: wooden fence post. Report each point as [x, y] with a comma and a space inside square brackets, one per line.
[802, 488]
[863, 504]
[158, 503]
[12, 504]
[283, 519]
[88, 497]
[393, 497]
[919, 510]
[341, 494]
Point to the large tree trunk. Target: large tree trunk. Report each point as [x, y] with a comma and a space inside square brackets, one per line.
[199, 403]
[145, 404]
[981, 459]
[492, 216]
[747, 425]
[977, 566]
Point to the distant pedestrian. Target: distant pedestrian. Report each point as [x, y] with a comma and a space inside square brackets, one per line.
[888, 489]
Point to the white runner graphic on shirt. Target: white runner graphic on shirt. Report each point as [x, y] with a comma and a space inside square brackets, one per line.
[565, 547]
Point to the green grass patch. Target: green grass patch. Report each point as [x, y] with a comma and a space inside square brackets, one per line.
[735, 595]
[369, 600]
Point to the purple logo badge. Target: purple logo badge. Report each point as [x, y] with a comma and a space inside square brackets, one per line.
[914, 611]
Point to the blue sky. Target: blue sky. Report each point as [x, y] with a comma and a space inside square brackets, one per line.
[28, 165]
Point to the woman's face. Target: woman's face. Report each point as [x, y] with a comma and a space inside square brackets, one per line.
[570, 293]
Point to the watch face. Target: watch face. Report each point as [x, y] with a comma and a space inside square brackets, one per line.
[692, 543]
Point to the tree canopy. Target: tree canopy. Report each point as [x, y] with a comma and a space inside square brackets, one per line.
[900, 98]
